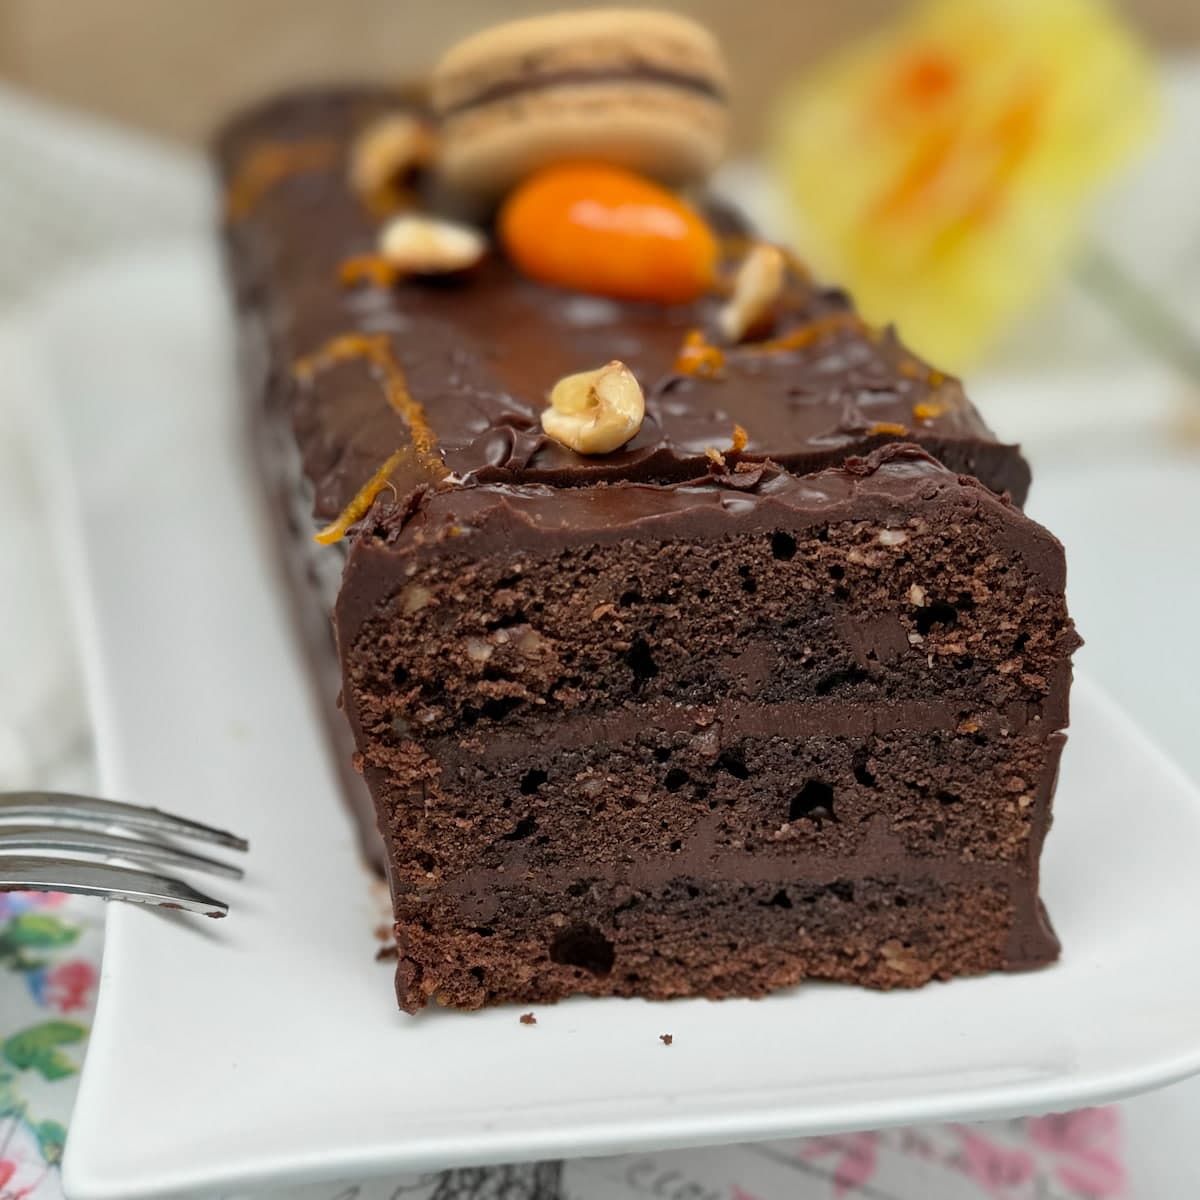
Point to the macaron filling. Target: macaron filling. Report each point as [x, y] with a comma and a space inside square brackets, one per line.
[506, 89]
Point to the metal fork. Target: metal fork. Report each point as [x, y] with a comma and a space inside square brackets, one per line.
[58, 842]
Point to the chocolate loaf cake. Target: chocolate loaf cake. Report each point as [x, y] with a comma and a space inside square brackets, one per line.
[773, 691]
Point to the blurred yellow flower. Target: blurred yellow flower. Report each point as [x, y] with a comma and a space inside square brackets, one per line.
[940, 168]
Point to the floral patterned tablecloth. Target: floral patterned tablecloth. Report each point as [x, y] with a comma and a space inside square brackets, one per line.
[49, 966]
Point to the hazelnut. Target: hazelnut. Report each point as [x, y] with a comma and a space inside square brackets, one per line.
[756, 290]
[422, 245]
[478, 651]
[900, 958]
[387, 151]
[595, 412]
[892, 537]
[530, 643]
[916, 596]
[414, 598]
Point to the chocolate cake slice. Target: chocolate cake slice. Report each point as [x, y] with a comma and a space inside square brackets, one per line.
[774, 691]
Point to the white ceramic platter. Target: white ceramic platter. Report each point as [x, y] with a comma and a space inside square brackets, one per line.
[267, 1047]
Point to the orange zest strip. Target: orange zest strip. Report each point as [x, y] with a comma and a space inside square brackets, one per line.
[929, 411]
[363, 499]
[267, 164]
[376, 349]
[372, 269]
[814, 331]
[740, 438]
[888, 427]
[699, 357]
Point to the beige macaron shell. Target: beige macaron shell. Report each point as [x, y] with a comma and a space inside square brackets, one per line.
[509, 104]
[594, 39]
[662, 132]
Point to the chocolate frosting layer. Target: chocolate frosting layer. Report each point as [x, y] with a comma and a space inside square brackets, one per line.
[479, 355]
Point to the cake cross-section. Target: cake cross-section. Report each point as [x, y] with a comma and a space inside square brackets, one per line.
[773, 691]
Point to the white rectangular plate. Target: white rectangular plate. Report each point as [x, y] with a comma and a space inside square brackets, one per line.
[267, 1047]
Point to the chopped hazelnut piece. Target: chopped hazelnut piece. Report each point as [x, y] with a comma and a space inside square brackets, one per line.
[420, 245]
[595, 412]
[756, 291]
[387, 151]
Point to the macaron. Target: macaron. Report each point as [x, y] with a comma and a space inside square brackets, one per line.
[637, 88]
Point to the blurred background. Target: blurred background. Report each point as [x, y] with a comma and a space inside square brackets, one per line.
[174, 66]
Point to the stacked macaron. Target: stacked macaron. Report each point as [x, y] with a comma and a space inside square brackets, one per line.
[634, 88]
[577, 127]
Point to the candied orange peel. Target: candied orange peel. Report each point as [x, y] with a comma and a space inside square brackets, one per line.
[605, 230]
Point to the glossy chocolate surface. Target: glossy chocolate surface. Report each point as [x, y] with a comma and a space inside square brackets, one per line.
[479, 355]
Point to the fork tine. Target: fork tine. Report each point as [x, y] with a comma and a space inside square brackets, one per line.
[33, 874]
[71, 840]
[42, 806]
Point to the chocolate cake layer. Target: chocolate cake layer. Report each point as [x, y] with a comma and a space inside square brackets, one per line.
[694, 717]
[528, 944]
[875, 622]
[700, 793]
